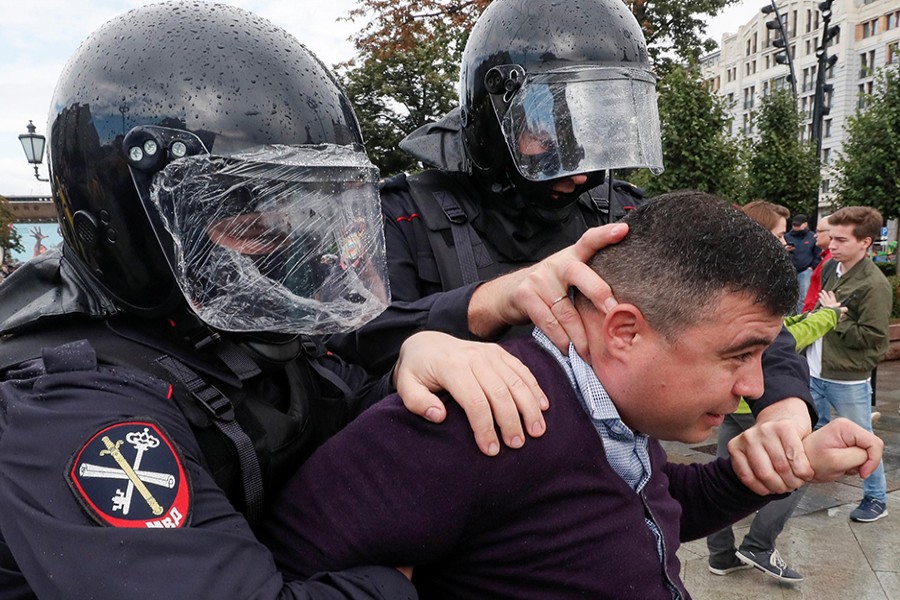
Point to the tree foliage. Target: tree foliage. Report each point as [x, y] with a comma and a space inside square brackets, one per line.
[676, 26]
[698, 153]
[868, 169]
[781, 168]
[394, 94]
[9, 238]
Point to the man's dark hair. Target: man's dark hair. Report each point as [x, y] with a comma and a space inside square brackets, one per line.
[684, 250]
[799, 220]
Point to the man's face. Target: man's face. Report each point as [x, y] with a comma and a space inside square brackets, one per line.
[823, 237]
[540, 144]
[681, 390]
[845, 247]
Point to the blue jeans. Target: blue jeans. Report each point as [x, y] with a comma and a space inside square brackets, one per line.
[803, 279]
[854, 402]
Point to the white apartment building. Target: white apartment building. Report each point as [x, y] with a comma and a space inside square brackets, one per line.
[744, 68]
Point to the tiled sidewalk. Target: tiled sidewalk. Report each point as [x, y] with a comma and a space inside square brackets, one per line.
[839, 558]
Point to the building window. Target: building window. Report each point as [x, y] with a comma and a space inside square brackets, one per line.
[808, 47]
[827, 128]
[893, 54]
[808, 21]
[826, 156]
[826, 186]
[747, 53]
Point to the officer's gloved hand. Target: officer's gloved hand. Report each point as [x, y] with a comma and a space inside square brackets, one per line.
[489, 383]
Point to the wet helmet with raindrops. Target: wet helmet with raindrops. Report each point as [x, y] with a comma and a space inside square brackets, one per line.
[551, 89]
[201, 155]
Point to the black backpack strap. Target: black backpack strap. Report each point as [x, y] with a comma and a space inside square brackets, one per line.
[437, 196]
[221, 412]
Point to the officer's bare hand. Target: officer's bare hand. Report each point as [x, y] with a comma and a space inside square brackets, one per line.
[770, 458]
[489, 384]
[539, 293]
[843, 448]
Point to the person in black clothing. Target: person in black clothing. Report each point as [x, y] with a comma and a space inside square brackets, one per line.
[473, 244]
[805, 254]
[160, 374]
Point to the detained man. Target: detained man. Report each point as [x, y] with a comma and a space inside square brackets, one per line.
[592, 508]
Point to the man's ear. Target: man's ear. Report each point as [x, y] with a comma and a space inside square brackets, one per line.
[623, 328]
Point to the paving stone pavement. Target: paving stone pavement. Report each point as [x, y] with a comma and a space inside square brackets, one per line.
[839, 558]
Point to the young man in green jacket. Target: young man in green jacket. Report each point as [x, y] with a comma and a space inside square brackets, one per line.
[841, 363]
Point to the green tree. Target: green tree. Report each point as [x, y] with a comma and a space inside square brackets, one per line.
[781, 168]
[394, 94]
[868, 168]
[9, 237]
[698, 153]
[676, 26]
[406, 69]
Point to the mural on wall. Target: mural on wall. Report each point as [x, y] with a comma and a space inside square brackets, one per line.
[36, 238]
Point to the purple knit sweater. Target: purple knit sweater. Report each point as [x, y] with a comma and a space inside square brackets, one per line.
[551, 520]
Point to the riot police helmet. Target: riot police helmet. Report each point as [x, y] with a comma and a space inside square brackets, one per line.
[555, 89]
[202, 156]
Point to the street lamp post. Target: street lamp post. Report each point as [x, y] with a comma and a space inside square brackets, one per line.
[820, 109]
[33, 145]
[783, 56]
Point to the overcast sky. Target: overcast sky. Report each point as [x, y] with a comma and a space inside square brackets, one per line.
[38, 36]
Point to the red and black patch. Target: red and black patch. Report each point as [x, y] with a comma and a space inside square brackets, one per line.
[131, 475]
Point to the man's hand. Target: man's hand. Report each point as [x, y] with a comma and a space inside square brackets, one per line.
[842, 448]
[770, 457]
[482, 378]
[539, 293]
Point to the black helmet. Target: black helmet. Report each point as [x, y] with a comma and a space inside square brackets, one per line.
[565, 87]
[178, 131]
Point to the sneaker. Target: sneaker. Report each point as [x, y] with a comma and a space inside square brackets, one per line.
[723, 566]
[869, 510]
[875, 416]
[770, 563]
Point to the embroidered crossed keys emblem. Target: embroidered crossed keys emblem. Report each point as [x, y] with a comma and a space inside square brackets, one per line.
[137, 479]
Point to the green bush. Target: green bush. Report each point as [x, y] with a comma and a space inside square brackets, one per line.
[888, 268]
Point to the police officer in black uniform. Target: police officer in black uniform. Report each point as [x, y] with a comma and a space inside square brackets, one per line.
[159, 375]
[552, 97]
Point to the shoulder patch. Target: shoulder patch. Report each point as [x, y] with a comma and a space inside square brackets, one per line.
[130, 474]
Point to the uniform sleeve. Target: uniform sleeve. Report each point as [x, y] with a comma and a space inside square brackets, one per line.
[786, 375]
[63, 536]
[808, 327]
[417, 302]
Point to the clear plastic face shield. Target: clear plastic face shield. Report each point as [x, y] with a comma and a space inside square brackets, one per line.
[284, 239]
[577, 120]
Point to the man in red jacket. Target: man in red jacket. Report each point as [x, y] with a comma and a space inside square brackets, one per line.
[823, 238]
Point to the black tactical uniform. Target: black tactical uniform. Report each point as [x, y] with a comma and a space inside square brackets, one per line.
[158, 381]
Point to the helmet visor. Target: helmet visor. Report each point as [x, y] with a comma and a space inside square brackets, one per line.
[575, 121]
[278, 239]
